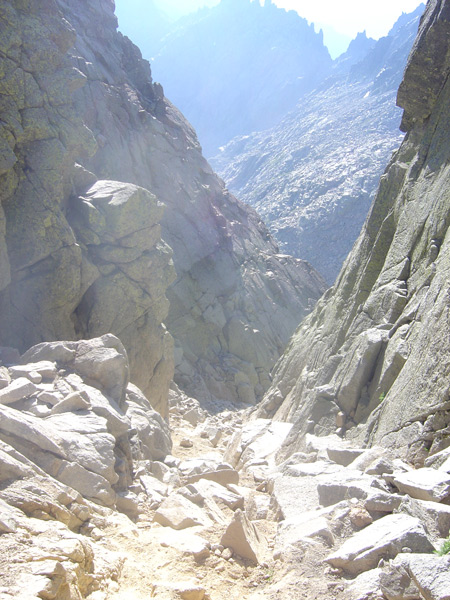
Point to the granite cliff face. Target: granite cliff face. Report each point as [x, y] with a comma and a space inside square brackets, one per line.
[238, 67]
[313, 177]
[82, 254]
[374, 352]
[80, 257]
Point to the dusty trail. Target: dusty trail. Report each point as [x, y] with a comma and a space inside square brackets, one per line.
[154, 569]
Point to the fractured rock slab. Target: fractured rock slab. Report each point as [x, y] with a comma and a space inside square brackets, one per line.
[424, 484]
[184, 541]
[434, 516]
[431, 574]
[178, 512]
[243, 537]
[17, 390]
[385, 539]
[347, 484]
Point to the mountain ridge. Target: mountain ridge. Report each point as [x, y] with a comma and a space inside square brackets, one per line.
[313, 177]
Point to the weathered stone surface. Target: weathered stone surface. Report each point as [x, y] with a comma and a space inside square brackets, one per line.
[385, 538]
[424, 484]
[347, 484]
[152, 432]
[185, 542]
[17, 390]
[72, 402]
[431, 574]
[236, 300]
[379, 501]
[344, 456]
[85, 439]
[178, 512]
[440, 460]
[243, 538]
[56, 268]
[366, 586]
[396, 583]
[195, 469]
[388, 302]
[306, 527]
[220, 494]
[257, 506]
[186, 590]
[434, 516]
[256, 442]
[45, 368]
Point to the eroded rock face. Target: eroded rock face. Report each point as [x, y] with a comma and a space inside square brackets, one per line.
[79, 257]
[236, 300]
[375, 346]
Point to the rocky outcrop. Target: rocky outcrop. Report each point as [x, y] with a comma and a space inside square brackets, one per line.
[313, 177]
[73, 435]
[374, 351]
[81, 254]
[236, 300]
[79, 257]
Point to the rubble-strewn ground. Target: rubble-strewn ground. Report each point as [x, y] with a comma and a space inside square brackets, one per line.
[97, 502]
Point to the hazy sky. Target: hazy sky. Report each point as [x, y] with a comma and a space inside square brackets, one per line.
[347, 17]
[352, 16]
[341, 20]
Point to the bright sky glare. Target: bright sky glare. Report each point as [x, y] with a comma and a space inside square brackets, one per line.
[347, 17]
[350, 17]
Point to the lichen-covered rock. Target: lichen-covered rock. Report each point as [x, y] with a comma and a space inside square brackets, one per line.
[375, 345]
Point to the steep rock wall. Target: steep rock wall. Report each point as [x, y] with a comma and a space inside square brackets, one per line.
[235, 301]
[71, 266]
[375, 349]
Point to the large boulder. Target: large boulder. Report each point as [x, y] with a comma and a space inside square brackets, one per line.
[236, 300]
[385, 539]
[84, 425]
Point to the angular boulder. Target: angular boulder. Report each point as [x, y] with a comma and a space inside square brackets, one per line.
[423, 484]
[243, 537]
[385, 539]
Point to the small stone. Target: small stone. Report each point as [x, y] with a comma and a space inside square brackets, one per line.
[34, 377]
[340, 419]
[360, 517]
[186, 443]
[227, 553]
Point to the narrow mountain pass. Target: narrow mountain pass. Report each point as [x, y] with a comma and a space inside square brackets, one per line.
[181, 559]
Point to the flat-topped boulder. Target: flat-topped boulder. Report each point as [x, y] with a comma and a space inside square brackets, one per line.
[423, 484]
[385, 539]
